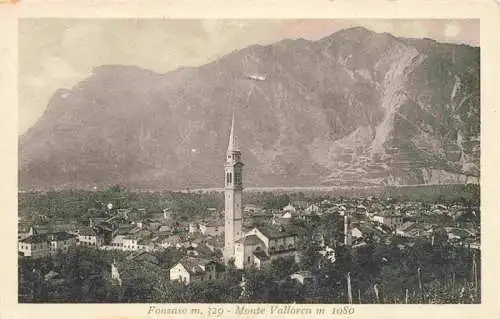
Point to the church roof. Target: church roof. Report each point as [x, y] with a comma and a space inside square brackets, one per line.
[275, 232]
[252, 240]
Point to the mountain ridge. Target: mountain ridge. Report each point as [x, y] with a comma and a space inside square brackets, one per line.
[355, 107]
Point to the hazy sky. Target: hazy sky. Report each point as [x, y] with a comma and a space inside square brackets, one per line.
[58, 53]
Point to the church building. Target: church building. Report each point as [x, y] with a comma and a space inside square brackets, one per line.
[261, 244]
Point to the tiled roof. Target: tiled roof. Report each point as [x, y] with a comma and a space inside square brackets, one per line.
[194, 265]
[272, 232]
[59, 236]
[35, 239]
[251, 240]
[86, 231]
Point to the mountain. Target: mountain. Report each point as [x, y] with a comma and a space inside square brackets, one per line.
[354, 108]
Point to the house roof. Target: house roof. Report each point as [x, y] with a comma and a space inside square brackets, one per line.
[118, 239]
[272, 232]
[47, 237]
[311, 209]
[164, 228]
[86, 231]
[52, 228]
[250, 240]
[194, 265]
[34, 239]
[61, 236]
[105, 226]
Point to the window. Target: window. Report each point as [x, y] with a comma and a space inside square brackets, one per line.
[248, 259]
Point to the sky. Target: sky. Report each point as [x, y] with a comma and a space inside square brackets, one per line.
[59, 53]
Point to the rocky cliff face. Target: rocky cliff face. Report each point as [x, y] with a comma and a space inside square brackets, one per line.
[355, 108]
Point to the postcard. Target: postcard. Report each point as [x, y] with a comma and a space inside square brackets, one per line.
[242, 160]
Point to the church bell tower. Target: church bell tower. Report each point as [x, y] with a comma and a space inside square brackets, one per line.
[233, 189]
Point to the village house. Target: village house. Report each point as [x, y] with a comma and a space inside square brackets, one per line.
[89, 237]
[299, 204]
[34, 246]
[309, 214]
[130, 243]
[286, 218]
[289, 209]
[364, 231]
[169, 241]
[62, 241]
[191, 269]
[211, 228]
[24, 230]
[107, 229]
[312, 209]
[45, 244]
[389, 219]
[145, 244]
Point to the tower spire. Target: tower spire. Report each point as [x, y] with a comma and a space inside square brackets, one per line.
[233, 143]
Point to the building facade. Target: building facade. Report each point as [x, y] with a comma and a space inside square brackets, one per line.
[264, 244]
[191, 269]
[46, 244]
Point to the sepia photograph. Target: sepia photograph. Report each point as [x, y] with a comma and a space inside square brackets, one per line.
[249, 161]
